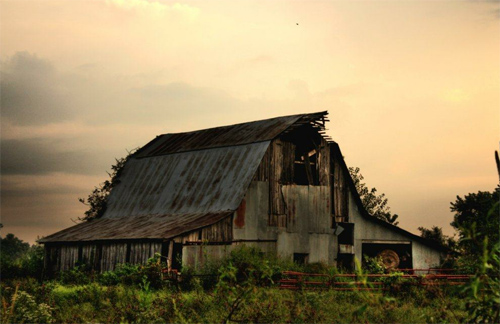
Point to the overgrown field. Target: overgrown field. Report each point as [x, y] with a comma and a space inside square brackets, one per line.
[240, 288]
[95, 303]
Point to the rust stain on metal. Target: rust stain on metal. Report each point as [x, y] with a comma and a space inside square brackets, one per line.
[239, 222]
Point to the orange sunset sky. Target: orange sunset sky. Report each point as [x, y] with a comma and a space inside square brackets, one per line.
[412, 87]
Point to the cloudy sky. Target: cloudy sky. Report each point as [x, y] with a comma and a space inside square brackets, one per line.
[412, 87]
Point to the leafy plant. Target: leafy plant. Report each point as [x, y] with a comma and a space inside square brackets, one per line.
[375, 204]
[23, 308]
[483, 290]
[97, 200]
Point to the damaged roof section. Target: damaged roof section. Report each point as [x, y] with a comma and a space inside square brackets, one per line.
[239, 134]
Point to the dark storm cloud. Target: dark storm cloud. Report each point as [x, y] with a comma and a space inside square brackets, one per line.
[32, 94]
[40, 156]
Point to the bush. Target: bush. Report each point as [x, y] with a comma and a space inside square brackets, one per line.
[79, 275]
[24, 309]
[133, 274]
[19, 262]
[373, 265]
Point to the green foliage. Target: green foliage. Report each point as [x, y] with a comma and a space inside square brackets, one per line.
[246, 269]
[77, 275]
[97, 201]
[373, 265]
[149, 274]
[435, 234]
[18, 259]
[483, 290]
[94, 303]
[12, 247]
[23, 308]
[477, 217]
[375, 204]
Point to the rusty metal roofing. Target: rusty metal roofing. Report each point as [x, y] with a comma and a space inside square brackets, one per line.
[176, 193]
[140, 227]
[252, 132]
[181, 182]
[205, 181]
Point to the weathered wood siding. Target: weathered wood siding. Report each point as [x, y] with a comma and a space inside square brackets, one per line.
[90, 255]
[339, 188]
[141, 252]
[278, 167]
[113, 254]
[221, 231]
[99, 256]
[62, 257]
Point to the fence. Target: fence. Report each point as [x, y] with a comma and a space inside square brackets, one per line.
[347, 281]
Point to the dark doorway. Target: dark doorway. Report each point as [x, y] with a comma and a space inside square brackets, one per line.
[345, 262]
[400, 253]
[177, 256]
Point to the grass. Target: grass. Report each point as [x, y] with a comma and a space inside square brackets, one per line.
[94, 303]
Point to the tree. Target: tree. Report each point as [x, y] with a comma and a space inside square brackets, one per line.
[375, 205]
[19, 259]
[477, 216]
[12, 247]
[97, 201]
[435, 234]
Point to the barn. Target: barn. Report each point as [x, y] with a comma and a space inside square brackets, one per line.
[279, 184]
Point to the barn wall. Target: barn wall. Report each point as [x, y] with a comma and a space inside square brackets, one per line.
[299, 217]
[60, 258]
[196, 255]
[423, 256]
[100, 256]
[140, 252]
[308, 221]
[112, 254]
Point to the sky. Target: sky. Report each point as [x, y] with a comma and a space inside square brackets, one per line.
[412, 88]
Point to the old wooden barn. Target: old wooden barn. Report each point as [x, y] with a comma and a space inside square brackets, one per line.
[279, 184]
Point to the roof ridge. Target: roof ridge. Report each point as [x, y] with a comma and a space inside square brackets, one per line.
[249, 122]
[231, 135]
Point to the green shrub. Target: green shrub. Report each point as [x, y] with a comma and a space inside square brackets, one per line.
[373, 265]
[79, 275]
[23, 308]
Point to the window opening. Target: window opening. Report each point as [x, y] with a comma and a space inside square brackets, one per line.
[301, 258]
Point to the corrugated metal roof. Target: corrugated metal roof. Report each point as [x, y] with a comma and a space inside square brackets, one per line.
[167, 195]
[181, 182]
[140, 227]
[252, 132]
[206, 181]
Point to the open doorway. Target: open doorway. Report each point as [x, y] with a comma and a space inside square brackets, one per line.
[395, 255]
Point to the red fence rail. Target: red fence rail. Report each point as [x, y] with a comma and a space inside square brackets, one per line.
[350, 281]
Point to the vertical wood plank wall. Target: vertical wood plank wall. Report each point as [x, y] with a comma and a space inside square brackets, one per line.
[340, 190]
[142, 251]
[99, 256]
[113, 254]
[277, 167]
